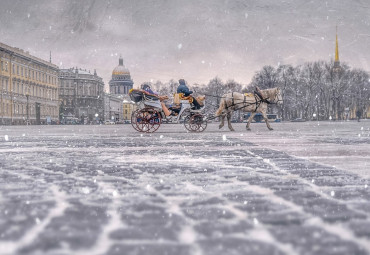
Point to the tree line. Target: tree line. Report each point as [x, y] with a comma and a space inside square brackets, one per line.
[312, 91]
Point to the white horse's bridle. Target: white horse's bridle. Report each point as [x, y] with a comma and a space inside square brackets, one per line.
[278, 98]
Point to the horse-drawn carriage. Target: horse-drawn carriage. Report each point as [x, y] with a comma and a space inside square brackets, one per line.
[150, 113]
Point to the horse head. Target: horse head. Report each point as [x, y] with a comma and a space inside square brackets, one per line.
[279, 96]
[275, 96]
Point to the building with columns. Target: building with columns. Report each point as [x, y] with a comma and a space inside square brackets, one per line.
[82, 96]
[29, 88]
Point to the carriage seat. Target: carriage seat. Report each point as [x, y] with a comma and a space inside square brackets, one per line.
[178, 97]
[138, 95]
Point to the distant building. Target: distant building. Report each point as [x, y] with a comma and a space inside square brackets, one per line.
[128, 107]
[121, 82]
[29, 88]
[82, 96]
[119, 87]
[113, 107]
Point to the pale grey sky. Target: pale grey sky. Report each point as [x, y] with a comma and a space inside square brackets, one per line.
[190, 39]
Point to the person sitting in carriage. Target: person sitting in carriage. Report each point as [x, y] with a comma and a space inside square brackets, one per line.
[148, 90]
[182, 88]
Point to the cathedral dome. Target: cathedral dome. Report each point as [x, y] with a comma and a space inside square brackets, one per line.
[121, 81]
[120, 69]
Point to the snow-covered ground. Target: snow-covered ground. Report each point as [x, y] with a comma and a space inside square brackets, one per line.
[300, 189]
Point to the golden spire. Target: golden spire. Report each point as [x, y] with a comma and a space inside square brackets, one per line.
[336, 61]
[336, 46]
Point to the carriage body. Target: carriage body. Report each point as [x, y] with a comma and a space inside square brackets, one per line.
[149, 114]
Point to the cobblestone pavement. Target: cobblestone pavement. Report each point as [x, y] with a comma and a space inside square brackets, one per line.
[110, 190]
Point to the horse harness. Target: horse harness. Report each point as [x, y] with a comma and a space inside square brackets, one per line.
[259, 99]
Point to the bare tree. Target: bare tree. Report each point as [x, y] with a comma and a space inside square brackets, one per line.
[266, 78]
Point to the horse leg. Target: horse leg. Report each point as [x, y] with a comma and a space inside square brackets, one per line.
[249, 121]
[229, 122]
[267, 121]
[222, 121]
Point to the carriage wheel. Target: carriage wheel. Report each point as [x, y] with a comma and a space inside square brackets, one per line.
[146, 120]
[195, 123]
[134, 119]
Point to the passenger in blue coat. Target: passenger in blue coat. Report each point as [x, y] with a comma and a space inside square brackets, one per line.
[147, 88]
[182, 88]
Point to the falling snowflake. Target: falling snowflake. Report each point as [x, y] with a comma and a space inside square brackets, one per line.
[85, 190]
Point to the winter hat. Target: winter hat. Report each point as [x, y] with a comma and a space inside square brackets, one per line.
[182, 82]
[145, 86]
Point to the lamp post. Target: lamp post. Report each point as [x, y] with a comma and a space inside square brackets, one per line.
[28, 93]
[11, 87]
[2, 91]
[27, 109]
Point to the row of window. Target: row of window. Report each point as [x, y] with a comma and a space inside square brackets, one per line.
[86, 91]
[33, 90]
[120, 89]
[121, 78]
[21, 110]
[85, 102]
[28, 73]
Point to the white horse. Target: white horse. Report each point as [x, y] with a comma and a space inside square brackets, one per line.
[248, 103]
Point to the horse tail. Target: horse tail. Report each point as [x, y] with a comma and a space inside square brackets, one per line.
[221, 107]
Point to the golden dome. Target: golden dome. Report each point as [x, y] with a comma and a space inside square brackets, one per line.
[121, 69]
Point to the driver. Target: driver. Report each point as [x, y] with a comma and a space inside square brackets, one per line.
[182, 88]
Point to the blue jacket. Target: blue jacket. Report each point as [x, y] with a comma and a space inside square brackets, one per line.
[184, 89]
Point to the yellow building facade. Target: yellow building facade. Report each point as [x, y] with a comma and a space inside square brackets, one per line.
[128, 107]
[29, 88]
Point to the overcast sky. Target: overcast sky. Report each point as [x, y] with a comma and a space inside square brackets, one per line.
[191, 39]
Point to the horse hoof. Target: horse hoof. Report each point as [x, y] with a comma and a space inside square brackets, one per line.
[219, 127]
[248, 129]
[271, 129]
[231, 129]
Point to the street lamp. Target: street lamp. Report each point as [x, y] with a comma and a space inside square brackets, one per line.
[28, 88]
[2, 90]
[27, 107]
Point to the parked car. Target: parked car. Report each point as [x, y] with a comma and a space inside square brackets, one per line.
[298, 120]
[109, 122]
